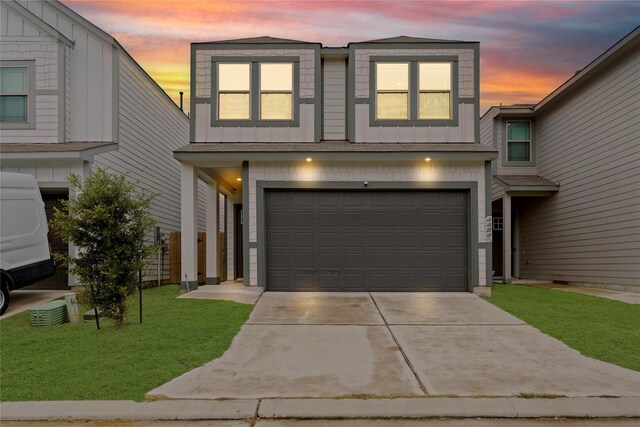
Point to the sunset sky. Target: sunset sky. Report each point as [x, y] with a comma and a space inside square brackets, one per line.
[527, 49]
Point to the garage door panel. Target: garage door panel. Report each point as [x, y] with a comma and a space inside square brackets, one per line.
[278, 218]
[430, 239]
[329, 219]
[303, 260]
[455, 219]
[454, 240]
[366, 240]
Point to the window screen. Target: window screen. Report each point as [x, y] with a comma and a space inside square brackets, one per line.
[435, 91]
[276, 91]
[14, 94]
[234, 91]
[518, 141]
[392, 91]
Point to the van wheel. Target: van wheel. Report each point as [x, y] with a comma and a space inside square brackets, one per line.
[4, 296]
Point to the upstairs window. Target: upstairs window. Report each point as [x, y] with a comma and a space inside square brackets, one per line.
[519, 141]
[435, 91]
[392, 91]
[234, 91]
[276, 91]
[14, 95]
[258, 92]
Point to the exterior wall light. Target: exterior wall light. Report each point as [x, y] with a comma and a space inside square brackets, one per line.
[238, 179]
[428, 159]
[308, 159]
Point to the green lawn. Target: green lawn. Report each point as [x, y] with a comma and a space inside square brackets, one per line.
[597, 327]
[70, 362]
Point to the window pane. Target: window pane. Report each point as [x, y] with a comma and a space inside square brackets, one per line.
[518, 151]
[275, 106]
[276, 77]
[435, 76]
[392, 76]
[13, 109]
[234, 77]
[14, 80]
[233, 106]
[392, 106]
[435, 105]
[518, 131]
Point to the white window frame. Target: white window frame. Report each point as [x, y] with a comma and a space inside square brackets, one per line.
[529, 141]
[30, 94]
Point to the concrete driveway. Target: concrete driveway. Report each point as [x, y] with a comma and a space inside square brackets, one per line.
[394, 344]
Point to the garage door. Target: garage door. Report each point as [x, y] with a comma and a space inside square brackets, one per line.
[366, 241]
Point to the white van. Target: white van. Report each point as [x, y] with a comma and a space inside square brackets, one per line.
[24, 235]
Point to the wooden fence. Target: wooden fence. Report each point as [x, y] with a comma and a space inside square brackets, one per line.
[175, 259]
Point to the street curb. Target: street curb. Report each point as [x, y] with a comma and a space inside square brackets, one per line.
[129, 410]
[407, 408]
[451, 407]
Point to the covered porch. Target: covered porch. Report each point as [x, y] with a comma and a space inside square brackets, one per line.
[506, 209]
[220, 185]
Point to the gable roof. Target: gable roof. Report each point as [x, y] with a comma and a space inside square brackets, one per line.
[622, 47]
[103, 35]
[257, 40]
[408, 39]
[32, 18]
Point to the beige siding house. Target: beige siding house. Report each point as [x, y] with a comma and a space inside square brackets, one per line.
[84, 102]
[568, 172]
[343, 168]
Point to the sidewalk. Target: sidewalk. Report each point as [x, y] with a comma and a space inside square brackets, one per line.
[309, 409]
[628, 297]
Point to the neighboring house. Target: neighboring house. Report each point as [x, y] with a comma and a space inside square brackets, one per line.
[568, 174]
[357, 168]
[73, 99]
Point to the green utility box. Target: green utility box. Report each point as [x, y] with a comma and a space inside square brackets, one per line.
[51, 313]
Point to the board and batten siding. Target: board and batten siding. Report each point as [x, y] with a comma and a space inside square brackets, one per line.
[90, 82]
[589, 143]
[150, 127]
[335, 102]
[24, 41]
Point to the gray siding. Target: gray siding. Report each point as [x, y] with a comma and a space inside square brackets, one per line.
[305, 131]
[464, 131]
[486, 127]
[150, 128]
[590, 231]
[334, 88]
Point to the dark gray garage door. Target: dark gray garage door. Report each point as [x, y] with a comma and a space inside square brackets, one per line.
[366, 240]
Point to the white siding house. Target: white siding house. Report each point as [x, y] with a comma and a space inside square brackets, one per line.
[89, 104]
[575, 205]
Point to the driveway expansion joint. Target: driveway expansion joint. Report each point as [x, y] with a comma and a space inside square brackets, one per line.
[406, 358]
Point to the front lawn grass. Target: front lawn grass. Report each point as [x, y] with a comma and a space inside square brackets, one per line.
[78, 362]
[597, 327]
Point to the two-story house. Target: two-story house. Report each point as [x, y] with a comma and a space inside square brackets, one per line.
[355, 168]
[71, 99]
[566, 184]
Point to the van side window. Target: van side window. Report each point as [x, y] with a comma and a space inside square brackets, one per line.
[19, 216]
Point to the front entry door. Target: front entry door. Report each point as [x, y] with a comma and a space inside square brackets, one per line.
[237, 237]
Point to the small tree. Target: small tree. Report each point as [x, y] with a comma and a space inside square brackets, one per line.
[107, 221]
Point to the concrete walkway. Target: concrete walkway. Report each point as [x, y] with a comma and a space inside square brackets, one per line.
[628, 297]
[228, 291]
[321, 409]
[324, 345]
